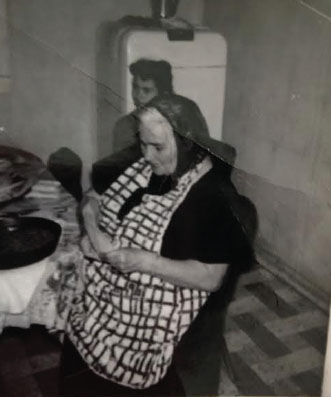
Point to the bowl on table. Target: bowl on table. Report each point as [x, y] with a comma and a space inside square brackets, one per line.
[26, 240]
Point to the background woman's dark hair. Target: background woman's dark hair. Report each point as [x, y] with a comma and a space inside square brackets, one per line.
[158, 71]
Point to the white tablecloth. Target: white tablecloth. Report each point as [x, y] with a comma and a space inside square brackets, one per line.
[30, 295]
[18, 285]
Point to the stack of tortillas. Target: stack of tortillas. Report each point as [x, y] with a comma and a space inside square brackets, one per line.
[18, 172]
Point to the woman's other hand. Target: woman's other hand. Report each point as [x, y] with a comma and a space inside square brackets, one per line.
[103, 244]
[188, 273]
[87, 248]
[100, 246]
[129, 260]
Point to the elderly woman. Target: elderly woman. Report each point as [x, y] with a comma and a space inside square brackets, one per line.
[159, 241]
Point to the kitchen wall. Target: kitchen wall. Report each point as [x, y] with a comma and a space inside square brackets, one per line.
[54, 45]
[278, 116]
[277, 106]
[4, 71]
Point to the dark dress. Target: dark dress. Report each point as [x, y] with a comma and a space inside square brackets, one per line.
[206, 227]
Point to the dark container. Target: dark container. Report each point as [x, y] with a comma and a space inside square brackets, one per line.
[164, 8]
[26, 240]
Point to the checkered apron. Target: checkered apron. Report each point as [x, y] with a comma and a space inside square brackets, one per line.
[126, 326]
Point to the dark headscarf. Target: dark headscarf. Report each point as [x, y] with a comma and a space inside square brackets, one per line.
[188, 125]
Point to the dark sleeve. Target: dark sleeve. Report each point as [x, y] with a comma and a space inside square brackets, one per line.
[235, 237]
[241, 218]
[211, 228]
[208, 229]
[222, 237]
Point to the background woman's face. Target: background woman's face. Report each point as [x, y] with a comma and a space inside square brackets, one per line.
[143, 91]
[158, 142]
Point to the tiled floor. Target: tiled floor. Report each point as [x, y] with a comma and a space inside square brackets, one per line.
[276, 340]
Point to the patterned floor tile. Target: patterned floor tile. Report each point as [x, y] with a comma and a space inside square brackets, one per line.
[288, 294]
[295, 342]
[317, 337]
[255, 329]
[259, 274]
[261, 336]
[237, 339]
[251, 277]
[245, 305]
[227, 387]
[286, 387]
[275, 283]
[308, 382]
[248, 382]
[304, 305]
[251, 354]
[240, 293]
[294, 363]
[318, 371]
[230, 325]
[268, 276]
[273, 301]
[264, 314]
[299, 323]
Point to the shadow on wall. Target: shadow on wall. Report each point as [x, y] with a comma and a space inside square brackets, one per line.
[108, 98]
[277, 115]
[290, 221]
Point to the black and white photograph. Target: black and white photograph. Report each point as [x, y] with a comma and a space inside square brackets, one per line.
[165, 198]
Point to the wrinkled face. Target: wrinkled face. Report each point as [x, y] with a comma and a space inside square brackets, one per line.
[143, 91]
[158, 142]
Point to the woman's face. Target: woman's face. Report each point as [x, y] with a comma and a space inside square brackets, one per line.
[143, 91]
[158, 142]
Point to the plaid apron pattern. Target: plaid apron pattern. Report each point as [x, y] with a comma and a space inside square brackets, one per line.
[126, 326]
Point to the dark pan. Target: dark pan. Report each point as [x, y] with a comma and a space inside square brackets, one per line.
[26, 240]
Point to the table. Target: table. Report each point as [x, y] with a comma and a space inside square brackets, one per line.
[53, 290]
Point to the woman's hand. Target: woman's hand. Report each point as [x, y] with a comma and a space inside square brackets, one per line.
[87, 248]
[129, 260]
[99, 247]
[102, 244]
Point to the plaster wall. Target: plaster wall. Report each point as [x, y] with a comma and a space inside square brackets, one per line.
[4, 71]
[278, 116]
[54, 46]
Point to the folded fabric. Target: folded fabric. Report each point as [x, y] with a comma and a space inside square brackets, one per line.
[47, 185]
[18, 285]
[45, 189]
